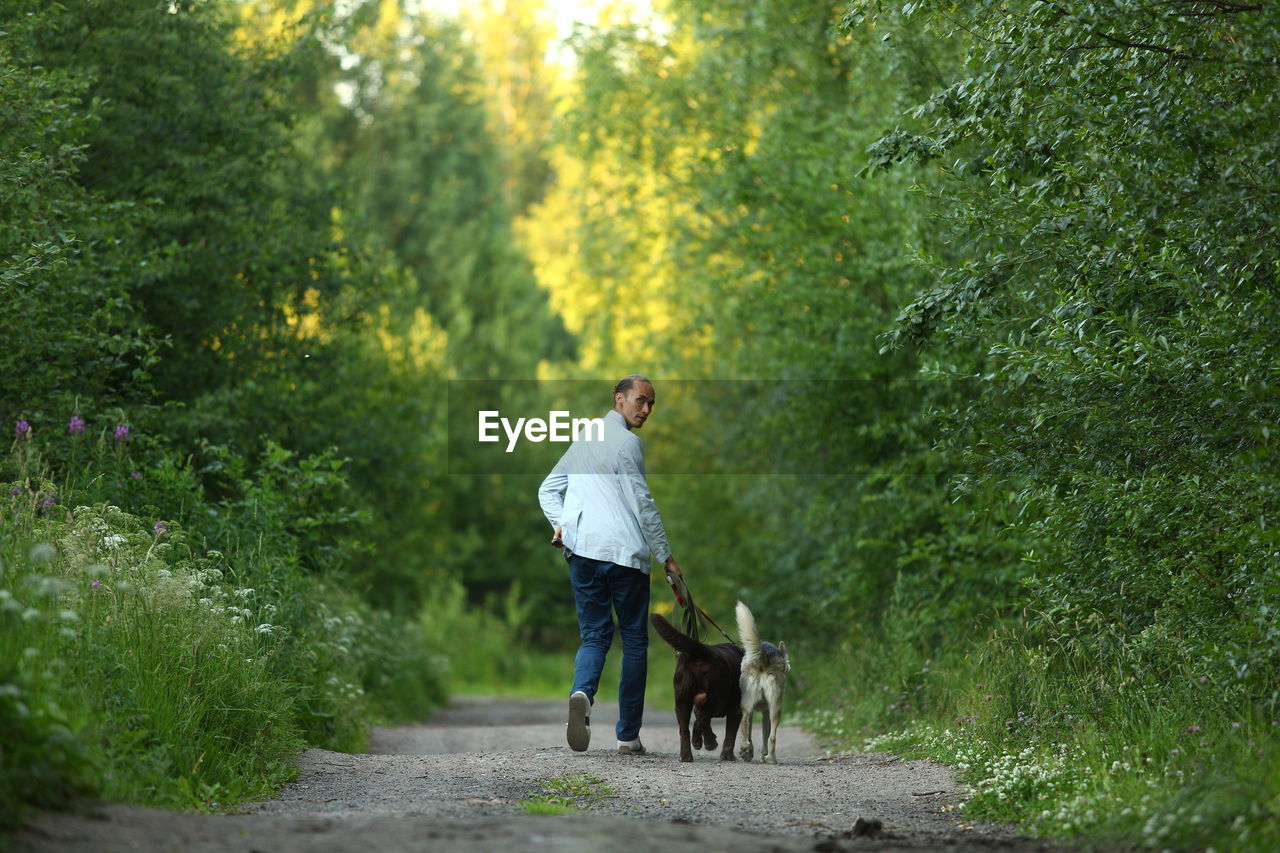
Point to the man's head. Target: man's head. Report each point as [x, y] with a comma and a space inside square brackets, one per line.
[633, 398]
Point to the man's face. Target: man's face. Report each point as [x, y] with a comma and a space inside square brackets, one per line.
[635, 404]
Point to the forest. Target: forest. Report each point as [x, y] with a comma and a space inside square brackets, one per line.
[963, 321]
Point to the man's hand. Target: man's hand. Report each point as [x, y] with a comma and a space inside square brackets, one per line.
[558, 539]
[671, 567]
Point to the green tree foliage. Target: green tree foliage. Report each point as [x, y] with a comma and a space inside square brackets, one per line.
[413, 147]
[1108, 172]
[425, 177]
[301, 206]
[734, 134]
[190, 137]
[66, 333]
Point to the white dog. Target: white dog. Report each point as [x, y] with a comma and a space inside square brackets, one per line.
[764, 675]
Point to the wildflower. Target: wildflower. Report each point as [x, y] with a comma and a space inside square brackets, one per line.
[1204, 679]
[136, 475]
[95, 584]
[76, 425]
[48, 502]
[122, 433]
[21, 429]
[159, 529]
[1236, 724]
[15, 491]
[1192, 729]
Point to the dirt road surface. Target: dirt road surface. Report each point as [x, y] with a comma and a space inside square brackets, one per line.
[456, 783]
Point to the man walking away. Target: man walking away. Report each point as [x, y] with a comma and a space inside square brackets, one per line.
[598, 502]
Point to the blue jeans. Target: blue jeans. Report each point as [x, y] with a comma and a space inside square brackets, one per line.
[598, 589]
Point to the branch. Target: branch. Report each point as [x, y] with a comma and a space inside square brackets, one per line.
[976, 35]
[1168, 51]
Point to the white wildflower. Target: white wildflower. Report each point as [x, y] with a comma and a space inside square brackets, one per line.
[42, 553]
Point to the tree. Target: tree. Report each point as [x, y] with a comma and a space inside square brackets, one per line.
[721, 233]
[1105, 171]
[69, 336]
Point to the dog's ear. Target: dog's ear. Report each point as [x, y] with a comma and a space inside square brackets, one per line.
[782, 647]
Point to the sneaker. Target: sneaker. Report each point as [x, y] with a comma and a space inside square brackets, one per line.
[630, 747]
[579, 728]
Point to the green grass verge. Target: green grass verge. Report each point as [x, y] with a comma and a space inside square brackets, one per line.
[1131, 757]
[136, 666]
[489, 652]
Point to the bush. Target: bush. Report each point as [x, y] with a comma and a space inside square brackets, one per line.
[182, 659]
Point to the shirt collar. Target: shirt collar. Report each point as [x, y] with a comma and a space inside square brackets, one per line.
[617, 416]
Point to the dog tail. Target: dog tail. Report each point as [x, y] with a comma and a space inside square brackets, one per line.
[748, 634]
[678, 641]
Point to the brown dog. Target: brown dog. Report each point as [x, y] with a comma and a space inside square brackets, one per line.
[706, 683]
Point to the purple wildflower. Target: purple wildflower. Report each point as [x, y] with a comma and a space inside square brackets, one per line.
[76, 425]
[159, 529]
[1192, 729]
[96, 584]
[122, 433]
[136, 475]
[15, 491]
[21, 429]
[48, 502]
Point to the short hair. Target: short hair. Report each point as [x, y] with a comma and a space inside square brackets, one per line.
[625, 383]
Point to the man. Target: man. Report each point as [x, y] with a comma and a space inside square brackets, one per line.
[598, 502]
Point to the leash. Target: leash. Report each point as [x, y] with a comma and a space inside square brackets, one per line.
[689, 622]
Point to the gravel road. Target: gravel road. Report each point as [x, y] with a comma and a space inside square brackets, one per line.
[457, 781]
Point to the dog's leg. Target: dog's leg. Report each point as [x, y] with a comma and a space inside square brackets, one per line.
[731, 721]
[765, 714]
[746, 751]
[699, 725]
[775, 711]
[750, 694]
[683, 712]
[709, 741]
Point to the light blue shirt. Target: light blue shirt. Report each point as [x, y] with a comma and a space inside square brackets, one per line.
[598, 493]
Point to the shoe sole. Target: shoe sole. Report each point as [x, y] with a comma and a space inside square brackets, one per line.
[626, 750]
[579, 728]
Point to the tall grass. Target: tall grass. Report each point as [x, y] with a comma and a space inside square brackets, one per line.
[139, 662]
[490, 650]
[1065, 743]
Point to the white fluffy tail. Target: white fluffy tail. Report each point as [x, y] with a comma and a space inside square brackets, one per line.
[748, 634]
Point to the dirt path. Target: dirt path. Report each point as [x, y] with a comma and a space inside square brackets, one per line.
[456, 783]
